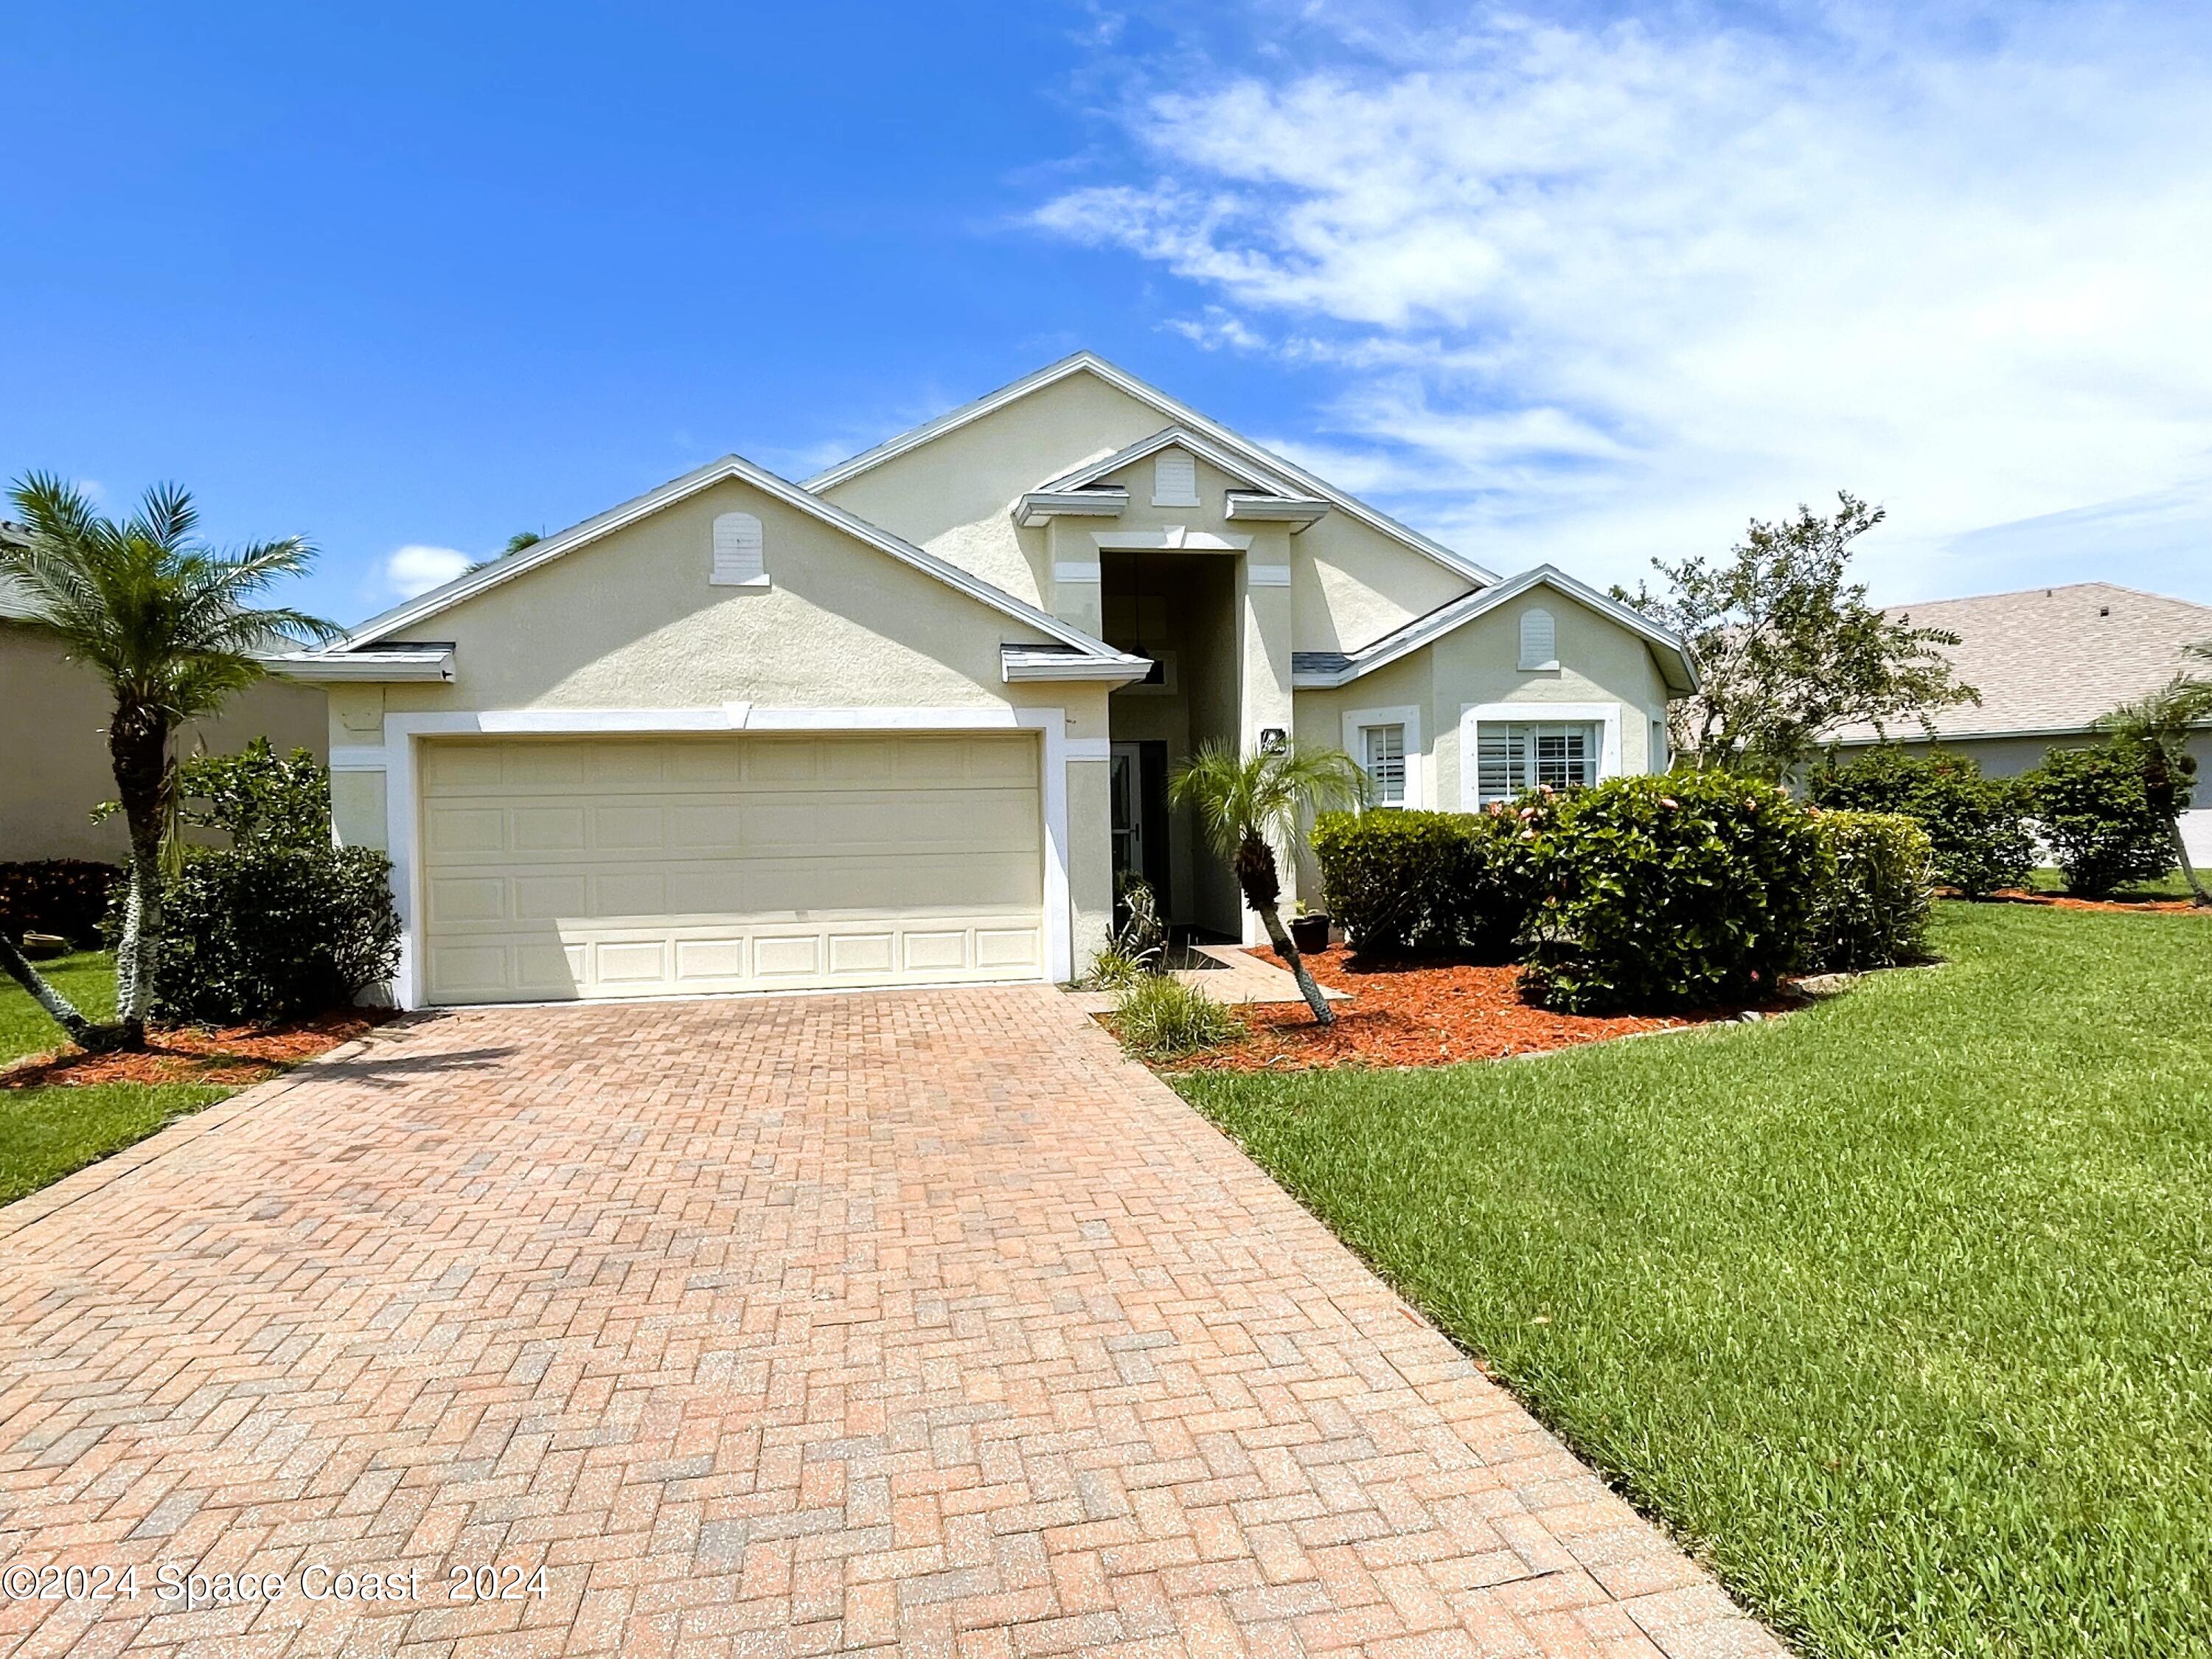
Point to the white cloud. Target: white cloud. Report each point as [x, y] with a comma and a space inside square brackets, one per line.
[1598, 292]
[416, 568]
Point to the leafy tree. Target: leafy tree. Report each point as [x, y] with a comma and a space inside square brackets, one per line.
[1246, 805]
[1977, 826]
[175, 630]
[2095, 810]
[2156, 727]
[1787, 649]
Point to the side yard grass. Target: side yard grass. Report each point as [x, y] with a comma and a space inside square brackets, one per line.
[1899, 1307]
[46, 1132]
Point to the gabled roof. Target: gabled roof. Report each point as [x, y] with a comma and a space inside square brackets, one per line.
[1318, 671]
[2050, 661]
[1181, 415]
[490, 575]
[1174, 437]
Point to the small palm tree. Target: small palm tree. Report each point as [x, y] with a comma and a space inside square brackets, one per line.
[1246, 805]
[172, 627]
[2158, 726]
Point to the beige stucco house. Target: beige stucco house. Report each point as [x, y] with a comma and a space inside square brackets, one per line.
[2050, 663]
[904, 722]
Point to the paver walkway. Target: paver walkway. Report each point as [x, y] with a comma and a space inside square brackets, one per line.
[917, 1321]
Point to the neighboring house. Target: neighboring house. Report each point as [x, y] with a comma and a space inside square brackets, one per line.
[2050, 663]
[53, 739]
[905, 723]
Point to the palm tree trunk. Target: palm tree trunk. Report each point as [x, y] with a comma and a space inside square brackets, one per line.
[2198, 894]
[138, 747]
[63, 1012]
[1279, 937]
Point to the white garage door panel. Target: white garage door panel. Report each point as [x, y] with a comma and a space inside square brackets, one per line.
[639, 866]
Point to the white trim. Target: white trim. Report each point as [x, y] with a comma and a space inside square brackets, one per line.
[1077, 570]
[1090, 749]
[1297, 511]
[1183, 415]
[1423, 630]
[1417, 756]
[1038, 506]
[1473, 715]
[381, 666]
[360, 758]
[1089, 475]
[1175, 537]
[729, 468]
[1267, 575]
[1016, 664]
[403, 766]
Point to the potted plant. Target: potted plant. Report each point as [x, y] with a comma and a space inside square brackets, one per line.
[1310, 930]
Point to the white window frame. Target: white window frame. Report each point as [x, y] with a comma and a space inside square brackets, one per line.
[715, 578]
[1472, 716]
[1355, 722]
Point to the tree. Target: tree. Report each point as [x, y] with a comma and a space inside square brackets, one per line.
[173, 626]
[1248, 803]
[2157, 728]
[1788, 650]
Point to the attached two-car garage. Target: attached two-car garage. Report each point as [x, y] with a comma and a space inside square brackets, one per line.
[677, 866]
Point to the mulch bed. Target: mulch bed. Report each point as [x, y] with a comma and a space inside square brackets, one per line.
[231, 1057]
[1424, 1012]
[2060, 902]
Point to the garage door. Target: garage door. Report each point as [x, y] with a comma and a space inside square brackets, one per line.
[675, 866]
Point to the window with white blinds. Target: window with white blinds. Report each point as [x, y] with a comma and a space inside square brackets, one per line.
[1510, 758]
[1385, 764]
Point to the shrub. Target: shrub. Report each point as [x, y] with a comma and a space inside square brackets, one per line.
[67, 897]
[1682, 891]
[1977, 826]
[260, 932]
[1873, 899]
[1400, 881]
[1112, 968]
[2096, 815]
[1161, 1017]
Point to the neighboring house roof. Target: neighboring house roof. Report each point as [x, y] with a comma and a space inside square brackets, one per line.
[2051, 661]
[1320, 669]
[1181, 415]
[381, 629]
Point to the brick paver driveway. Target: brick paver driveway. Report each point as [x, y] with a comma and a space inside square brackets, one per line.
[918, 1321]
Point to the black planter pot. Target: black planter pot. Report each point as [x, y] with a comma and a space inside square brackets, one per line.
[1309, 933]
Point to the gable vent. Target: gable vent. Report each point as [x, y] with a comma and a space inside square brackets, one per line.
[1538, 648]
[739, 557]
[1175, 479]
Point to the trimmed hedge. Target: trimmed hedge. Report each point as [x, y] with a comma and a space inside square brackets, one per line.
[2096, 814]
[1407, 881]
[1689, 890]
[1874, 897]
[1977, 826]
[263, 931]
[68, 897]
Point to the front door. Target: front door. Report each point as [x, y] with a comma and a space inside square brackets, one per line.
[1126, 791]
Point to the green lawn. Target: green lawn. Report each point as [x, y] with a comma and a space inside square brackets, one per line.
[45, 1132]
[2047, 878]
[1900, 1307]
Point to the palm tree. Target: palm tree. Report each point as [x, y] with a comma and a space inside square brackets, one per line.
[2159, 726]
[172, 626]
[1246, 803]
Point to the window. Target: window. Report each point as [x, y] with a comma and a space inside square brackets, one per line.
[1175, 479]
[1383, 756]
[1510, 758]
[739, 558]
[1539, 645]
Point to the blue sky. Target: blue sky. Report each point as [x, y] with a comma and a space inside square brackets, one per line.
[1584, 284]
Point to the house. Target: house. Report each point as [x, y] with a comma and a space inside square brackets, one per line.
[2050, 663]
[53, 739]
[905, 722]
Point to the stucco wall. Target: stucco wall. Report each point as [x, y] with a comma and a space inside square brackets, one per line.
[53, 746]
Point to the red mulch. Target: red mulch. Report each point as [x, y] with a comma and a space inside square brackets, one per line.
[2060, 902]
[238, 1055]
[1411, 1014]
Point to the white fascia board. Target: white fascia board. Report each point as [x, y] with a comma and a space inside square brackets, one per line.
[1040, 505]
[467, 587]
[1175, 437]
[376, 665]
[1017, 665]
[1182, 414]
[1298, 510]
[1423, 630]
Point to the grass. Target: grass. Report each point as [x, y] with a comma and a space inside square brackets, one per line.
[1896, 1308]
[46, 1133]
[2048, 879]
